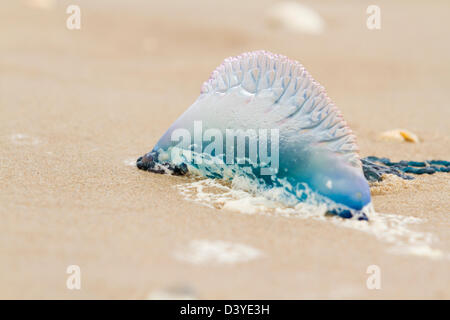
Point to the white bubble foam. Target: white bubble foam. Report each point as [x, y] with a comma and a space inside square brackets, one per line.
[24, 139]
[397, 230]
[419, 250]
[130, 162]
[216, 252]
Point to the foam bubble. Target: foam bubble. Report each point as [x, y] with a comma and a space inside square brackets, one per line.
[24, 139]
[419, 250]
[397, 230]
[130, 162]
[217, 252]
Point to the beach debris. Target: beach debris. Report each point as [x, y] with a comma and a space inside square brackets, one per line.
[399, 135]
[272, 104]
[295, 17]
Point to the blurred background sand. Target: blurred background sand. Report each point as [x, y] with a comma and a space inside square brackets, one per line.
[77, 107]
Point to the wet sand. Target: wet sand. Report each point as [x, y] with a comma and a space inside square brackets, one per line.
[77, 107]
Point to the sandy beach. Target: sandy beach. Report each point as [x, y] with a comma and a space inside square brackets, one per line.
[78, 107]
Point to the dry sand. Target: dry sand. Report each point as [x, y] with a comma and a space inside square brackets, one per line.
[77, 106]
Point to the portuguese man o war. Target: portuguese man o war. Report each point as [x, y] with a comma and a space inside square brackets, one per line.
[313, 153]
[262, 116]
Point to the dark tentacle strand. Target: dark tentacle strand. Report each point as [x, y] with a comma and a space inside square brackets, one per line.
[375, 167]
[148, 162]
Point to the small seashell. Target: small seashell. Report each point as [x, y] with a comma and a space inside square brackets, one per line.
[399, 135]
